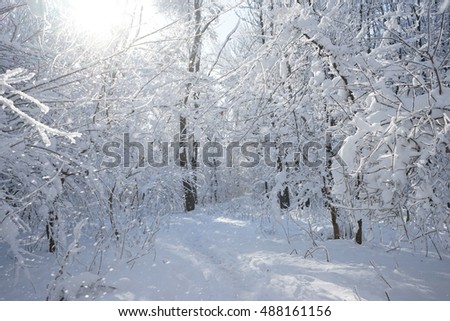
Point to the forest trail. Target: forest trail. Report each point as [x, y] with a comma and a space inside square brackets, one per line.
[213, 257]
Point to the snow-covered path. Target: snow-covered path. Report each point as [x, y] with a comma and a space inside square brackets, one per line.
[212, 257]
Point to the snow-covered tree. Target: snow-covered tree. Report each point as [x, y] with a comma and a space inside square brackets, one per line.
[397, 154]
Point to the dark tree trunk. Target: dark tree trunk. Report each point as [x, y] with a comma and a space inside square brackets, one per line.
[111, 212]
[359, 233]
[188, 184]
[189, 153]
[284, 199]
[336, 233]
[283, 196]
[50, 231]
[328, 180]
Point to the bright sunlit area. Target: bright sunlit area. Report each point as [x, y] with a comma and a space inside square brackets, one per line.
[98, 22]
[97, 18]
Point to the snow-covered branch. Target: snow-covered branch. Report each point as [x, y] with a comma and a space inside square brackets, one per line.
[19, 75]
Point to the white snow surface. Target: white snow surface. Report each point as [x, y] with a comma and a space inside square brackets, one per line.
[212, 255]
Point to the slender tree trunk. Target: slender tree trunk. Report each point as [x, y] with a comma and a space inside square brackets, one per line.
[283, 196]
[328, 181]
[50, 231]
[189, 154]
[111, 212]
[358, 238]
[188, 184]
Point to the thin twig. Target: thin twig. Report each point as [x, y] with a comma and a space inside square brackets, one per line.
[311, 251]
[379, 273]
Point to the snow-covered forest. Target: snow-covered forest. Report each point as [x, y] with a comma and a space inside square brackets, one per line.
[225, 150]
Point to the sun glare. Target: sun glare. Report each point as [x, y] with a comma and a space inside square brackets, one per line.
[96, 18]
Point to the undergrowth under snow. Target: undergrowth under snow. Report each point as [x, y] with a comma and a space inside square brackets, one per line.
[218, 255]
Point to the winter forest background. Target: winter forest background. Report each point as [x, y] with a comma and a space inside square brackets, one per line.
[326, 129]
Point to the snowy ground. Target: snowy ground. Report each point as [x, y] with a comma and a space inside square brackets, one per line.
[213, 256]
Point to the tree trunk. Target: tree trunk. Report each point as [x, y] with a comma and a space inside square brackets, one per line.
[284, 199]
[327, 181]
[189, 154]
[111, 212]
[188, 186]
[283, 196]
[358, 238]
[50, 231]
